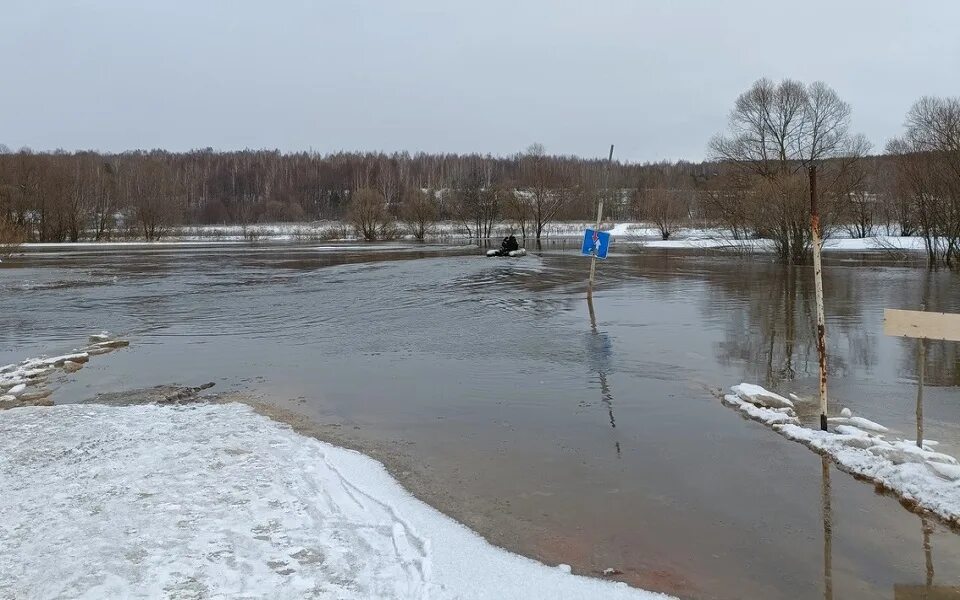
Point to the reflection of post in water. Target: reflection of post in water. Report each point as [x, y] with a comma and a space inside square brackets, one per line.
[602, 347]
[927, 552]
[782, 304]
[827, 529]
[927, 591]
[921, 363]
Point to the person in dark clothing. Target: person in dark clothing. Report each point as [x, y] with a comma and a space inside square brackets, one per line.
[508, 245]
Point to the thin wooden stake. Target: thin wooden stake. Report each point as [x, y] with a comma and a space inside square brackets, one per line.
[921, 367]
[606, 188]
[818, 284]
[921, 364]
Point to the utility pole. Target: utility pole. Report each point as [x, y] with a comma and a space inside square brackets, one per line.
[818, 285]
[606, 189]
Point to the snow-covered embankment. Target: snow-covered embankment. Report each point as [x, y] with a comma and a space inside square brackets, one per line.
[919, 476]
[215, 500]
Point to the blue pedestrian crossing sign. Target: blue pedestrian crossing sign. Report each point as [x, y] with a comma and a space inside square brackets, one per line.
[595, 243]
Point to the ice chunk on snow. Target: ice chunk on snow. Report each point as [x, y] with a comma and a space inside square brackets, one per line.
[770, 416]
[854, 431]
[846, 412]
[760, 396]
[910, 472]
[948, 472]
[920, 475]
[163, 501]
[859, 422]
[17, 389]
[564, 568]
[927, 455]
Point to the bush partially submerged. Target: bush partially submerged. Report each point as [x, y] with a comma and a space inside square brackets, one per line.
[11, 237]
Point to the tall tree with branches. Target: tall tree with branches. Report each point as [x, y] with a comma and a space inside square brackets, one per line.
[776, 131]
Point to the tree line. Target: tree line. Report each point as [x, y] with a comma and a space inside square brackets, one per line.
[753, 185]
[63, 196]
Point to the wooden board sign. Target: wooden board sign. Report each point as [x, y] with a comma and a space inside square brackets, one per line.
[923, 592]
[917, 324]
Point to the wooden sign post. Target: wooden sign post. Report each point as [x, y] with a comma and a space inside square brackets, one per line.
[922, 326]
[606, 187]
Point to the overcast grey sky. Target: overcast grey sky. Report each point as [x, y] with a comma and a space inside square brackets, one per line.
[655, 78]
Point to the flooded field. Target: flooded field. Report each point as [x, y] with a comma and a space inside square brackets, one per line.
[575, 433]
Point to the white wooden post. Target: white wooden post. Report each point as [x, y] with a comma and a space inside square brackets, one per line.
[818, 285]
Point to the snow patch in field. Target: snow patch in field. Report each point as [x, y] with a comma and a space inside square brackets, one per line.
[218, 501]
[922, 476]
[628, 232]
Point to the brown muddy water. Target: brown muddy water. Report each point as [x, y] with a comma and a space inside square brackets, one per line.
[486, 388]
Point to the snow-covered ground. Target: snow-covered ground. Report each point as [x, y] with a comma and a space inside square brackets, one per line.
[624, 231]
[214, 500]
[920, 476]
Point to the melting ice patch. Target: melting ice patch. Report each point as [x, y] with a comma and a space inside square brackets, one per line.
[857, 445]
[218, 501]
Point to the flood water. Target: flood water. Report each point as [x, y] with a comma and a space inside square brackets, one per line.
[571, 433]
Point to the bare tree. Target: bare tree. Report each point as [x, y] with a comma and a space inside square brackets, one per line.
[369, 215]
[477, 203]
[517, 208]
[664, 197]
[895, 207]
[928, 172]
[667, 209]
[156, 197]
[858, 199]
[106, 201]
[419, 212]
[11, 235]
[544, 187]
[775, 132]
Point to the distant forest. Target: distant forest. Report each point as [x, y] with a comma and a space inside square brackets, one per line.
[754, 185]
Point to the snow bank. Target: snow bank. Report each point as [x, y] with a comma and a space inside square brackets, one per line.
[706, 239]
[24, 384]
[880, 242]
[919, 476]
[691, 238]
[928, 479]
[218, 501]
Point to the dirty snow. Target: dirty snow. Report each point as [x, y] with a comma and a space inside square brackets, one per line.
[218, 501]
[857, 445]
